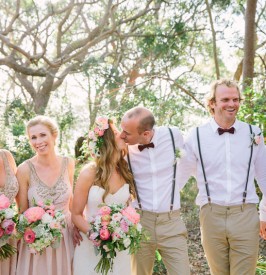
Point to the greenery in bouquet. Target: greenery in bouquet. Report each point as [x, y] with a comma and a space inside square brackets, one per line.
[8, 219]
[40, 226]
[115, 228]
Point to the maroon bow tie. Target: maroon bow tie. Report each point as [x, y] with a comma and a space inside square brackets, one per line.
[143, 146]
[230, 130]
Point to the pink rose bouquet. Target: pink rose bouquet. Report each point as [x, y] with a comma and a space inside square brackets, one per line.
[115, 228]
[8, 218]
[40, 226]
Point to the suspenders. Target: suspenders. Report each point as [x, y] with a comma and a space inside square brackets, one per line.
[204, 175]
[174, 175]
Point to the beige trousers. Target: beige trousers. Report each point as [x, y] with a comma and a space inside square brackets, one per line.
[168, 234]
[230, 238]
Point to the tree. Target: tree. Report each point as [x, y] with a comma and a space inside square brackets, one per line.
[43, 43]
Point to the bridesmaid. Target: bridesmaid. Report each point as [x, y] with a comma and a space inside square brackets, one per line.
[8, 187]
[46, 176]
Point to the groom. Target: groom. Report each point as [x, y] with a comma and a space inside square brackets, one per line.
[151, 158]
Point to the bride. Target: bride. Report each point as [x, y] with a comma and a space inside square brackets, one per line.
[106, 180]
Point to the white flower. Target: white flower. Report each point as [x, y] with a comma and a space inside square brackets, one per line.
[139, 227]
[126, 242]
[46, 218]
[105, 247]
[9, 213]
[116, 217]
[255, 139]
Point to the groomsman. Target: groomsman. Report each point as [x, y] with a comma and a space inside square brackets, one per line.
[225, 155]
[151, 158]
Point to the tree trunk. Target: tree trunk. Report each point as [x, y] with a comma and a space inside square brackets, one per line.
[250, 44]
[215, 55]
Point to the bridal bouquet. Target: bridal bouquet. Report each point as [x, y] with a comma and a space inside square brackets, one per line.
[41, 226]
[8, 216]
[114, 229]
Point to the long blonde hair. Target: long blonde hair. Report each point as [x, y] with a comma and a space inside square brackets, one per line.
[106, 163]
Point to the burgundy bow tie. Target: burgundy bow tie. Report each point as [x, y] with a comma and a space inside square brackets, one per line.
[230, 130]
[143, 146]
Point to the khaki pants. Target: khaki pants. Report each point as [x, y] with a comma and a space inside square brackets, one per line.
[230, 238]
[168, 234]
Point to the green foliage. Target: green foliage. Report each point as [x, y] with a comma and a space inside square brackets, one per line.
[254, 111]
[261, 266]
[159, 267]
[16, 115]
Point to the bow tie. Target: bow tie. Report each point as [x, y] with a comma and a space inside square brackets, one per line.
[143, 146]
[230, 130]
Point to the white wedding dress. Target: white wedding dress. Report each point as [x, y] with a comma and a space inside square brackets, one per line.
[85, 259]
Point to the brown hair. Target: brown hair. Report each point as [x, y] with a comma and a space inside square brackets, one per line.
[106, 163]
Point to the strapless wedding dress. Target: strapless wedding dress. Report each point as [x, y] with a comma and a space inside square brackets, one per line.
[85, 259]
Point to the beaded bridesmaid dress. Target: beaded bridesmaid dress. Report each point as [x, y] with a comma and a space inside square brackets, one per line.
[53, 261]
[10, 190]
[85, 259]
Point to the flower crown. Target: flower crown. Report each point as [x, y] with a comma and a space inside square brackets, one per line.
[96, 135]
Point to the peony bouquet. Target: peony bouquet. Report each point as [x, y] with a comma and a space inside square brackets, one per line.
[115, 228]
[8, 217]
[41, 226]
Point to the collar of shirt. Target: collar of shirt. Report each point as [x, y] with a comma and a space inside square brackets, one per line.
[215, 126]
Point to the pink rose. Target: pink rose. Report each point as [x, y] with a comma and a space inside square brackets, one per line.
[9, 226]
[29, 236]
[4, 202]
[98, 131]
[131, 214]
[105, 219]
[104, 233]
[2, 231]
[105, 210]
[124, 226]
[34, 214]
[103, 122]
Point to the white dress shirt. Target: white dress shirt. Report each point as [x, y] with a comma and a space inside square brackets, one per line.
[153, 171]
[226, 159]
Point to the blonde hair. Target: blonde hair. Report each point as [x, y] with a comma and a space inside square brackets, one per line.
[106, 163]
[211, 97]
[43, 120]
